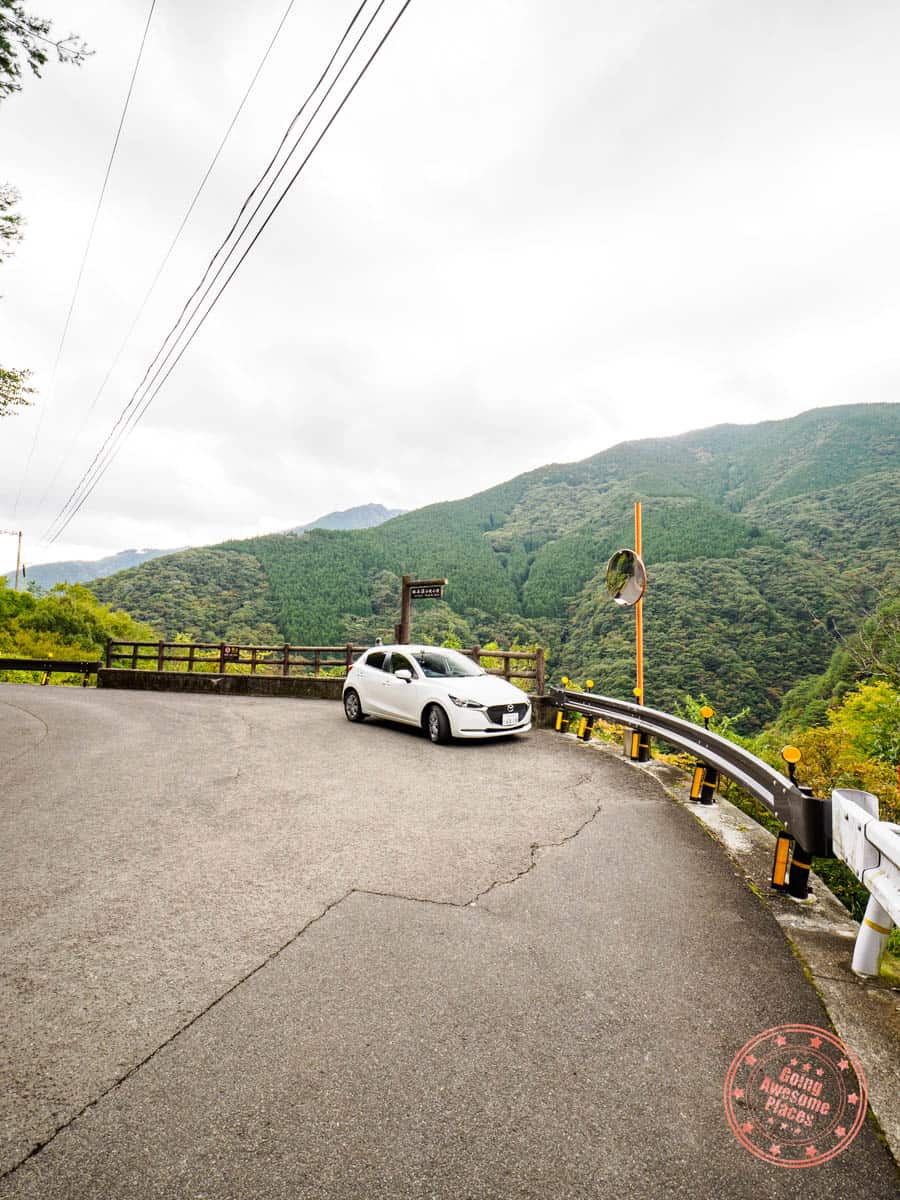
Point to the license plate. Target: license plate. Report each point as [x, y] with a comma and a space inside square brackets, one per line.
[510, 718]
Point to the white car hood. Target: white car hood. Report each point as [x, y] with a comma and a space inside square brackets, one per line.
[486, 689]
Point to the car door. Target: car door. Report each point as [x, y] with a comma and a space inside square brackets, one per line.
[399, 696]
[370, 679]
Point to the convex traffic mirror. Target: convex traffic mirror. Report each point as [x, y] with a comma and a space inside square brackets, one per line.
[626, 577]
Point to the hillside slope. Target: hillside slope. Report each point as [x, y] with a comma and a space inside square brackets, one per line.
[762, 542]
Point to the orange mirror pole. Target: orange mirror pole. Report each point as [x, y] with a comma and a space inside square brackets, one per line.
[639, 612]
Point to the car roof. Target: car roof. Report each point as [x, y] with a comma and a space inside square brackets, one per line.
[412, 648]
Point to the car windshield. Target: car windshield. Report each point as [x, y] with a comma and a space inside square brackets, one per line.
[444, 664]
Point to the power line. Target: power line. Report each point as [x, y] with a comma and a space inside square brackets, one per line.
[112, 439]
[172, 244]
[84, 257]
[88, 487]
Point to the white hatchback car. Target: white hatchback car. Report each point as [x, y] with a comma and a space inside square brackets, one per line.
[442, 691]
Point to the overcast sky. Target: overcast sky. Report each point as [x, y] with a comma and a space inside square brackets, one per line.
[536, 230]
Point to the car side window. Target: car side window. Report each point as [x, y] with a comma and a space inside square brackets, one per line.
[399, 662]
[376, 660]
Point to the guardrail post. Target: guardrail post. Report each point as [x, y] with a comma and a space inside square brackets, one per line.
[349, 657]
[703, 783]
[286, 661]
[871, 939]
[109, 646]
[539, 671]
[637, 745]
[221, 658]
[161, 656]
[798, 880]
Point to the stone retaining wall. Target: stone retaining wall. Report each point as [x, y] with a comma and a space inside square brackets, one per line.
[294, 687]
[291, 686]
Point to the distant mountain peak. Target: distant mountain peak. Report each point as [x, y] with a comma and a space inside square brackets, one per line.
[47, 575]
[363, 516]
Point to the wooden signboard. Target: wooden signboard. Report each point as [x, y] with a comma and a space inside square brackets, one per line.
[416, 589]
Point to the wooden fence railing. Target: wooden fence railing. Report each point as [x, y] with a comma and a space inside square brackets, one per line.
[530, 664]
[220, 657]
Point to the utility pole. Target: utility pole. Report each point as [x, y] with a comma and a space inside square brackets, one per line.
[16, 533]
[639, 611]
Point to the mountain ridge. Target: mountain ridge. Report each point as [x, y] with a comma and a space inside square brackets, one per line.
[47, 575]
[759, 539]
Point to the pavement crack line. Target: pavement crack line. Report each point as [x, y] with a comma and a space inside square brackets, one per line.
[534, 848]
[117, 1083]
[21, 708]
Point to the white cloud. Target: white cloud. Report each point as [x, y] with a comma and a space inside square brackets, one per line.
[531, 234]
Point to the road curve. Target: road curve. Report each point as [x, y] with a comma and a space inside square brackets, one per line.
[251, 950]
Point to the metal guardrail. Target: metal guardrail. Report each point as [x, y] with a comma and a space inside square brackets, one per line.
[846, 827]
[50, 665]
[807, 818]
[871, 849]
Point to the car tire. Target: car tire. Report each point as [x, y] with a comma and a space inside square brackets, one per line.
[436, 724]
[352, 706]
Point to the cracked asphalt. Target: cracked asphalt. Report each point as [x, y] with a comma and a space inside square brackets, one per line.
[250, 950]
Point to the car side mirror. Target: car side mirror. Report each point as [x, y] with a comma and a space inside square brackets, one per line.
[404, 674]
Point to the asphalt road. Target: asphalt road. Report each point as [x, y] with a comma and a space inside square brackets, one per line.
[250, 950]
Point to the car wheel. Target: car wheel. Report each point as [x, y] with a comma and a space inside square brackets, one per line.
[352, 706]
[436, 725]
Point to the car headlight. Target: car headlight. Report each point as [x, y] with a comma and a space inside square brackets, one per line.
[461, 702]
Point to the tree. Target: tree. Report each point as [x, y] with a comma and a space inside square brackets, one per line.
[14, 389]
[10, 222]
[24, 42]
[23, 39]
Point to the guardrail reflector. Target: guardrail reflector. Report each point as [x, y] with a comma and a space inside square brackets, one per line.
[697, 781]
[782, 856]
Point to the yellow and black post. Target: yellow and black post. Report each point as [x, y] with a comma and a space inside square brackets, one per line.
[586, 724]
[703, 783]
[801, 860]
[798, 881]
[560, 725]
[637, 745]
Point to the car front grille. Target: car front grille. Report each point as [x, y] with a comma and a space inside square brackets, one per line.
[497, 711]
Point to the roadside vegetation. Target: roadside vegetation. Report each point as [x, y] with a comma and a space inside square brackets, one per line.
[67, 622]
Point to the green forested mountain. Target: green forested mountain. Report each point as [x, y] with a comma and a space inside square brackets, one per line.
[765, 546]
